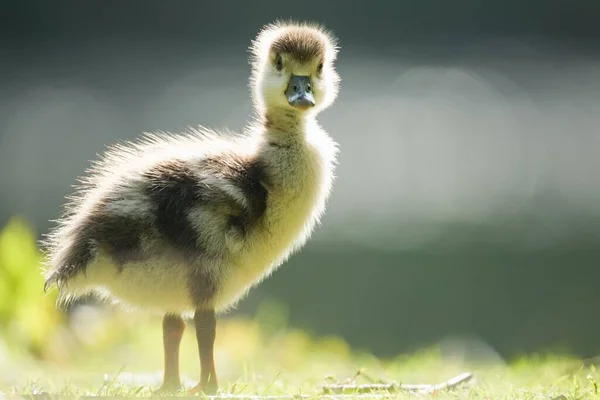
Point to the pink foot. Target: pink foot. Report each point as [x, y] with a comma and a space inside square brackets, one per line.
[169, 388]
[208, 389]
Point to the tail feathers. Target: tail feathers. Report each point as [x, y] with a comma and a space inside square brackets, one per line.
[66, 261]
[50, 281]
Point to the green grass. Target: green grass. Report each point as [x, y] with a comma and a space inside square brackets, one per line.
[113, 353]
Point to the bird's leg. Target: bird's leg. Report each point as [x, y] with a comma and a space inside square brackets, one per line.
[173, 327]
[206, 324]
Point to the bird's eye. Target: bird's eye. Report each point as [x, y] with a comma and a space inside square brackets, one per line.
[320, 68]
[279, 63]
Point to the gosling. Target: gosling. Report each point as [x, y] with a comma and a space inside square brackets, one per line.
[185, 224]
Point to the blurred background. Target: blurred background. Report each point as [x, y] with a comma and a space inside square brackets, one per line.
[467, 204]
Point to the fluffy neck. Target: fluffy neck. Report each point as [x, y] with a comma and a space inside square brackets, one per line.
[285, 126]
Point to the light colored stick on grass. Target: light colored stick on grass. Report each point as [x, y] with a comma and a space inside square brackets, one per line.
[395, 387]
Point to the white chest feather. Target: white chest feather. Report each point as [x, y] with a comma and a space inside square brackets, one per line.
[302, 179]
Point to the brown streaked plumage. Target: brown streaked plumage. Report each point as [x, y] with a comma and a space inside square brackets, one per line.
[301, 43]
[186, 224]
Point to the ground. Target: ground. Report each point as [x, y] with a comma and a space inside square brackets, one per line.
[103, 352]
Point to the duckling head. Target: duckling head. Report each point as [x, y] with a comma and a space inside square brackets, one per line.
[293, 68]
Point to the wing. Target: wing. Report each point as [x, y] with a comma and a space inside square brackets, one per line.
[200, 207]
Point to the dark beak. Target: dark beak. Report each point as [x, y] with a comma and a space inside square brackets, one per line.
[299, 92]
